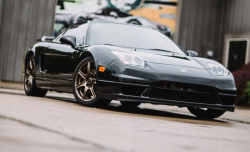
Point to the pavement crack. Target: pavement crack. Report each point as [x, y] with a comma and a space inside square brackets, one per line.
[61, 133]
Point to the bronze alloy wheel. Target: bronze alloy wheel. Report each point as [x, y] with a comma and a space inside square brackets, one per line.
[30, 87]
[29, 74]
[84, 84]
[85, 81]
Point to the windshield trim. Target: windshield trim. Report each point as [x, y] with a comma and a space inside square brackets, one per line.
[141, 48]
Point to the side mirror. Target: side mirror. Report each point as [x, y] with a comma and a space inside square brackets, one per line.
[67, 39]
[192, 53]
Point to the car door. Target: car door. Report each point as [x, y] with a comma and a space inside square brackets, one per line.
[61, 59]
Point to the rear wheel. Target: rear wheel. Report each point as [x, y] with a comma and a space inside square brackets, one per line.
[81, 19]
[206, 113]
[134, 22]
[30, 87]
[130, 104]
[84, 84]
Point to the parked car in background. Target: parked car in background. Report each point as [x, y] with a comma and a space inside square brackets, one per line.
[63, 20]
[109, 14]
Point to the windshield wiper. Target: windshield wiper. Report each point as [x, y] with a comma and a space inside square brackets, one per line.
[163, 50]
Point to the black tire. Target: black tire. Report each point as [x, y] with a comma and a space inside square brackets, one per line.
[206, 114]
[134, 21]
[133, 5]
[81, 19]
[95, 102]
[30, 87]
[130, 104]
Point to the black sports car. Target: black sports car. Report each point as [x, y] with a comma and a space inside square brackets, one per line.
[103, 61]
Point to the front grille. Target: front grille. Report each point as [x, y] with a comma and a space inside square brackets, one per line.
[182, 92]
[227, 97]
[132, 90]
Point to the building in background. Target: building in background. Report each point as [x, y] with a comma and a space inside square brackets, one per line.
[21, 23]
[217, 29]
[1, 8]
[157, 15]
[163, 12]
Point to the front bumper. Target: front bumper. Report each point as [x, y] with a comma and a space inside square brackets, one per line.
[114, 91]
[166, 84]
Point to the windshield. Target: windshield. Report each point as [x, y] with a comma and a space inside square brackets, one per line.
[131, 36]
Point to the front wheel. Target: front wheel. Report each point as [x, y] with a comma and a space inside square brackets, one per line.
[206, 113]
[84, 84]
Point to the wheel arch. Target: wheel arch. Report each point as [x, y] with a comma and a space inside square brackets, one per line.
[28, 55]
[25, 60]
[31, 50]
[84, 55]
[101, 55]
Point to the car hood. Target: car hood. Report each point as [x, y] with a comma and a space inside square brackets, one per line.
[161, 57]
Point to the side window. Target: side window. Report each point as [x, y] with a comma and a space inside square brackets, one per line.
[79, 31]
[106, 12]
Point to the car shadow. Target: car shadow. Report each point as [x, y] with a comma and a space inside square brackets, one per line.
[154, 113]
[165, 115]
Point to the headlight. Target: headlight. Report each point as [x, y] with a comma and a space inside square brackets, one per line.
[130, 59]
[218, 70]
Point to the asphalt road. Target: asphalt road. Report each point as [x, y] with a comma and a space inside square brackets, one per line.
[58, 123]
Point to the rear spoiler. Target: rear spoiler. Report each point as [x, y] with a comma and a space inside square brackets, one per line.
[47, 38]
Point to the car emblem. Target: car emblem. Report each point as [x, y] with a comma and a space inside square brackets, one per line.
[184, 70]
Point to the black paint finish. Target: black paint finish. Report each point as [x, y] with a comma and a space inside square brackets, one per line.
[56, 62]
